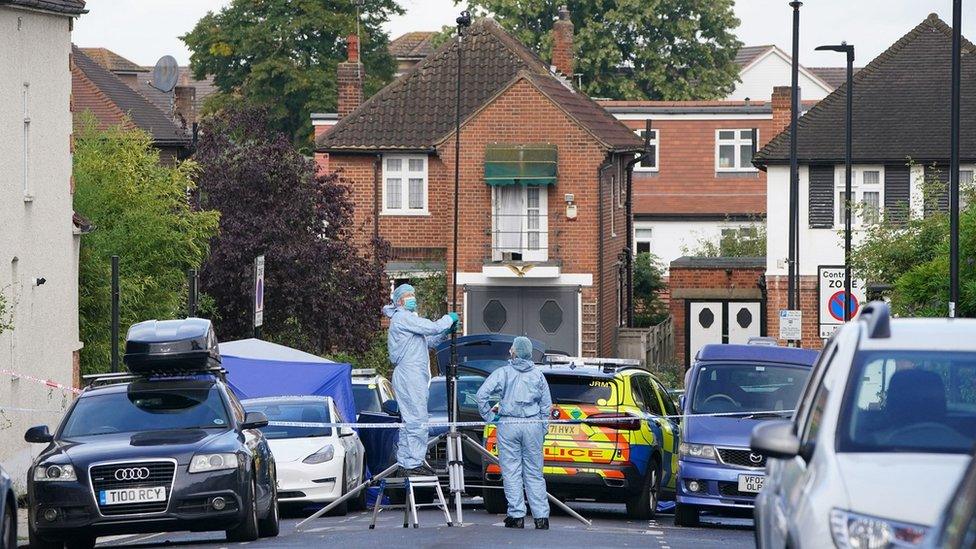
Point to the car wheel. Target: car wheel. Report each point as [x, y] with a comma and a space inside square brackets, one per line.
[494, 498]
[247, 530]
[685, 515]
[269, 526]
[358, 503]
[643, 505]
[10, 527]
[342, 509]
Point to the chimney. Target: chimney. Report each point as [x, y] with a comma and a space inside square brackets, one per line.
[781, 110]
[562, 43]
[350, 79]
[184, 99]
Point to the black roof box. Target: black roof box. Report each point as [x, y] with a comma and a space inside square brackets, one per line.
[162, 346]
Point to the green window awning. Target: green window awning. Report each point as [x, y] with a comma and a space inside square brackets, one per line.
[520, 165]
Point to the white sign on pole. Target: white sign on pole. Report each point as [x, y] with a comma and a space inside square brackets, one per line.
[830, 289]
[258, 291]
[790, 325]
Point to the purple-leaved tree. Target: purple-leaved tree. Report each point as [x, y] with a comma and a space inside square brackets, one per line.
[321, 292]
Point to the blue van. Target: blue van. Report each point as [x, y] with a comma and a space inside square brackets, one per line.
[731, 388]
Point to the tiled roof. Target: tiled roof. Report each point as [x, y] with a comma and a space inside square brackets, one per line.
[111, 100]
[748, 54]
[718, 108]
[416, 111]
[112, 61]
[835, 76]
[412, 44]
[901, 106]
[68, 7]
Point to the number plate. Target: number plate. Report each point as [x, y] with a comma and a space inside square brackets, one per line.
[132, 495]
[751, 483]
[564, 429]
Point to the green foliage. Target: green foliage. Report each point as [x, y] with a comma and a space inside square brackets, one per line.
[141, 213]
[431, 293]
[734, 242]
[376, 357]
[6, 314]
[283, 55]
[635, 49]
[649, 310]
[911, 258]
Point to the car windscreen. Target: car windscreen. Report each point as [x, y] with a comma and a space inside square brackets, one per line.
[467, 394]
[909, 401]
[366, 396]
[747, 388]
[568, 389]
[147, 409]
[291, 418]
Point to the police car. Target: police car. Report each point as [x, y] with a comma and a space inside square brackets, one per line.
[619, 446]
[370, 390]
[167, 447]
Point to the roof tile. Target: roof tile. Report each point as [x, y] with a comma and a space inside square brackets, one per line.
[68, 7]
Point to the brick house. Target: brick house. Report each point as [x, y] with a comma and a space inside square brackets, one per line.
[543, 171]
[901, 138]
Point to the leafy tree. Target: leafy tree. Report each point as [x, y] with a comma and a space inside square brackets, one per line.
[911, 258]
[140, 210]
[635, 49]
[283, 54]
[320, 292]
[649, 310]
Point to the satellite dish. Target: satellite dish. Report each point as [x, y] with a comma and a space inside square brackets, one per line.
[165, 74]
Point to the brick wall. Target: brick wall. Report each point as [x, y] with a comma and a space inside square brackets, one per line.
[520, 115]
[809, 303]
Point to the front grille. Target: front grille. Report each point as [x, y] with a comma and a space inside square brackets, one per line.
[731, 489]
[742, 458]
[103, 477]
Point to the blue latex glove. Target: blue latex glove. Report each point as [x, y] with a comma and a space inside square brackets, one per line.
[454, 317]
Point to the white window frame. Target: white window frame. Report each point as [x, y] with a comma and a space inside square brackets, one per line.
[858, 188]
[656, 141]
[736, 143]
[649, 240]
[404, 175]
[541, 254]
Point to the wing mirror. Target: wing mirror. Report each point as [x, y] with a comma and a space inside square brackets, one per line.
[775, 439]
[390, 407]
[346, 431]
[254, 420]
[38, 435]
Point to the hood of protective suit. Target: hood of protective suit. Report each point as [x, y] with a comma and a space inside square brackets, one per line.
[389, 309]
[522, 364]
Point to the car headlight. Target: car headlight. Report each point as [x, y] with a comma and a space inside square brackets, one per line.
[55, 473]
[326, 453]
[701, 451]
[856, 531]
[212, 462]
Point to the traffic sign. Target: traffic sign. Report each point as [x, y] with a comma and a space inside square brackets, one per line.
[830, 289]
[790, 324]
[258, 291]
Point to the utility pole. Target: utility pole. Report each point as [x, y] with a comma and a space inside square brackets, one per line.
[793, 286]
[954, 161]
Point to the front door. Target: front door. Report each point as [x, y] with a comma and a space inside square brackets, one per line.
[721, 321]
[549, 314]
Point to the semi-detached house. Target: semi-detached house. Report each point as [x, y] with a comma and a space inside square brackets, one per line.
[543, 174]
[901, 139]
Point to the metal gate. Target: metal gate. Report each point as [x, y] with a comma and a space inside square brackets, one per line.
[549, 314]
[721, 321]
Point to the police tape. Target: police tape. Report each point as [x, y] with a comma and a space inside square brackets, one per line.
[51, 384]
[768, 414]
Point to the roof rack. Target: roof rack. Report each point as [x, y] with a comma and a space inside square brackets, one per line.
[877, 317]
[102, 380]
[608, 365]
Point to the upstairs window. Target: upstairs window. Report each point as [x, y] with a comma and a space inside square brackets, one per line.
[404, 185]
[733, 150]
[866, 189]
[651, 161]
[642, 240]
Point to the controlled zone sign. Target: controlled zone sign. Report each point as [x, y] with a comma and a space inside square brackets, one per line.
[830, 289]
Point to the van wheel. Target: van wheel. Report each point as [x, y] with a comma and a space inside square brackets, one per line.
[248, 529]
[685, 515]
[494, 497]
[643, 505]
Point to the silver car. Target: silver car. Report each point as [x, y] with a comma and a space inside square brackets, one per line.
[880, 438]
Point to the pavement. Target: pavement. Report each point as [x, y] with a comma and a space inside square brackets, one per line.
[611, 528]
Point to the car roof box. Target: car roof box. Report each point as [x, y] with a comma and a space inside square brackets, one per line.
[171, 346]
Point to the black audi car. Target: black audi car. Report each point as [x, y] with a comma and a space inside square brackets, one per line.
[167, 447]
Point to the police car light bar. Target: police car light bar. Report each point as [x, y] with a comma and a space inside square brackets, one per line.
[363, 372]
[606, 364]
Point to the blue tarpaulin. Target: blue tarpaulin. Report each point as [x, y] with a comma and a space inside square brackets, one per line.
[258, 368]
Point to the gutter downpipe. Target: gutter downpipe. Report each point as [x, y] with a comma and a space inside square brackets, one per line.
[630, 221]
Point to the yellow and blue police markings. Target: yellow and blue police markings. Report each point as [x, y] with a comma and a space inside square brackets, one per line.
[570, 447]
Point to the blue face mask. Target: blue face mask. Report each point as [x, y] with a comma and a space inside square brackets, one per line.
[410, 304]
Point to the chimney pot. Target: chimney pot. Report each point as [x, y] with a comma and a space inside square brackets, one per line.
[352, 48]
[350, 79]
[562, 43]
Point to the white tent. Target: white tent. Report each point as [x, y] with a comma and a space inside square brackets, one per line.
[264, 350]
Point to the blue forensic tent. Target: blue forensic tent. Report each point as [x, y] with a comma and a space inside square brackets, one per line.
[258, 368]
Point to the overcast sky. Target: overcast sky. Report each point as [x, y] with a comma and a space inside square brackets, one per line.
[144, 30]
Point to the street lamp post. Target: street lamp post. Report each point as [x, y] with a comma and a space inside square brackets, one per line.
[847, 49]
[954, 161]
[793, 301]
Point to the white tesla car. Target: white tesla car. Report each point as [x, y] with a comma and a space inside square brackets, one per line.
[316, 464]
[879, 440]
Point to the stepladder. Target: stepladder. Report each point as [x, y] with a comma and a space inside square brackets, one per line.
[409, 485]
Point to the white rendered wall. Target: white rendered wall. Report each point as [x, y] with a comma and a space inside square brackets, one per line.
[770, 71]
